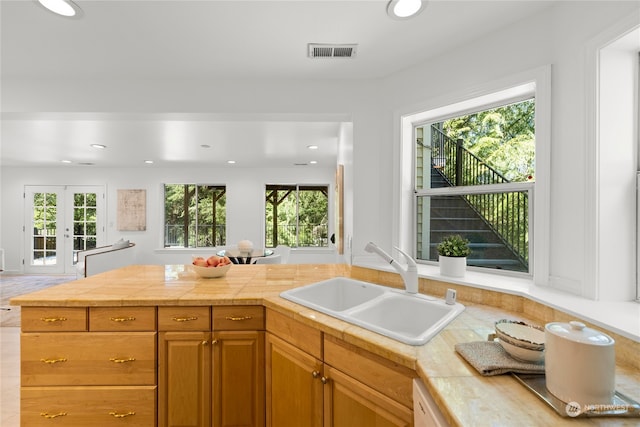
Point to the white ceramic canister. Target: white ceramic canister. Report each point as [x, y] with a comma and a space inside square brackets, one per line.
[579, 363]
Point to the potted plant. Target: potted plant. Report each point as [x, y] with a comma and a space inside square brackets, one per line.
[453, 251]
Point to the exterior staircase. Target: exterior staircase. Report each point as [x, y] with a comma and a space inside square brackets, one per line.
[453, 215]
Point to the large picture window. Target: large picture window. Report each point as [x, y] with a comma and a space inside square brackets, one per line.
[297, 215]
[194, 215]
[474, 176]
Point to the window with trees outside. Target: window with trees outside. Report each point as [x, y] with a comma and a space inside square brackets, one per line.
[297, 215]
[474, 176]
[194, 215]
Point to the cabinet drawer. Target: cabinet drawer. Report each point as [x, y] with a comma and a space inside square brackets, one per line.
[55, 319]
[88, 406]
[122, 319]
[184, 318]
[88, 358]
[388, 378]
[300, 335]
[238, 318]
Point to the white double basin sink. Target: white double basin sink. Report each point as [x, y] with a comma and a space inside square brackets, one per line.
[409, 318]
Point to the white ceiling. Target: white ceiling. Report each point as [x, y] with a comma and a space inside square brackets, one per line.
[214, 39]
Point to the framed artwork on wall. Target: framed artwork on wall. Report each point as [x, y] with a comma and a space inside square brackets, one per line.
[132, 210]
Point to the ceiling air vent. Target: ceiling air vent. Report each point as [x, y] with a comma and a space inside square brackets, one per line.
[317, 50]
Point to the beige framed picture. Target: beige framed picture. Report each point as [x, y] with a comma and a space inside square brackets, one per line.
[132, 210]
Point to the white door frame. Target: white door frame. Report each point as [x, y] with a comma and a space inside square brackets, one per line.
[64, 235]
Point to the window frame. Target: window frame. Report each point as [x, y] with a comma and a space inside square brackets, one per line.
[297, 189]
[164, 219]
[536, 82]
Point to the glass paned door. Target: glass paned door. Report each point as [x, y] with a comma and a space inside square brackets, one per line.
[61, 221]
[44, 229]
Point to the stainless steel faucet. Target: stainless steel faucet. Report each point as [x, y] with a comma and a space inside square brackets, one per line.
[409, 274]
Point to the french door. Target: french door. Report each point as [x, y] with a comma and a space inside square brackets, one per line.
[59, 222]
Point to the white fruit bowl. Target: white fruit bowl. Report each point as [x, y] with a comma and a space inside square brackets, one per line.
[211, 272]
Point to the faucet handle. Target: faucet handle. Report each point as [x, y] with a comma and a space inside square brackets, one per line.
[410, 261]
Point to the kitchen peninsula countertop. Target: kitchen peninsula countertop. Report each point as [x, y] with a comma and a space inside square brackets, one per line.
[465, 397]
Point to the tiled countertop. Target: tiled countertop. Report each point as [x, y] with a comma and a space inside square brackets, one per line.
[465, 397]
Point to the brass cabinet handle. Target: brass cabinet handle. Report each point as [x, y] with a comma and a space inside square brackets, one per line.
[49, 416]
[53, 319]
[238, 318]
[53, 361]
[324, 380]
[123, 319]
[125, 360]
[117, 415]
[184, 319]
[315, 374]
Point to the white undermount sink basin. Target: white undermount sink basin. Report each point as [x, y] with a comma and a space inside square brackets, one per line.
[410, 318]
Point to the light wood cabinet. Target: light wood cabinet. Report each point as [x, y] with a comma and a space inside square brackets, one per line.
[238, 379]
[345, 387]
[53, 319]
[71, 376]
[211, 378]
[350, 403]
[103, 406]
[85, 358]
[184, 379]
[294, 390]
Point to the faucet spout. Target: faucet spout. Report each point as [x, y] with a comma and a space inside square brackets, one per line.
[409, 274]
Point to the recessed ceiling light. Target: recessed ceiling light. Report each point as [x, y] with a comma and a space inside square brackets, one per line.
[313, 162]
[62, 7]
[231, 162]
[99, 146]
[205, 146]
[312, 147]
[149, 162]
[65, 161]
[404, 9]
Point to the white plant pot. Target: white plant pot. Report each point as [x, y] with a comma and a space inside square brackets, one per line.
[452, 266]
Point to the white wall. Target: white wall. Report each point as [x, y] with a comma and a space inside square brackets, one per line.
[245, 204]
[556, 37]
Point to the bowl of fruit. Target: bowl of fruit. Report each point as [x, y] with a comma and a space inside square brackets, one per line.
[213, 266]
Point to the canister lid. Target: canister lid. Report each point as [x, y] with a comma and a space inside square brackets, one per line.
[578, 332]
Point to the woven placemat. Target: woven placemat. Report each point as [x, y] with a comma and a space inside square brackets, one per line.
[489, 358]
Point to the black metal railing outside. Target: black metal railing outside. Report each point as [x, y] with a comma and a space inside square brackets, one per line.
[202, 236]
[506, 213]
[303, 235]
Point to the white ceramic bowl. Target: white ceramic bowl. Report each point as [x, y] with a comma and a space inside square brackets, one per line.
[211, 272]
[520, 334]
[522, 354]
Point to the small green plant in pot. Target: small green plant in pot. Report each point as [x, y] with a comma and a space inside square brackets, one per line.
[453, 251]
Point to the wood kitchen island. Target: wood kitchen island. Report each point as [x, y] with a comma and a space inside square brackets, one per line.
[156, 345]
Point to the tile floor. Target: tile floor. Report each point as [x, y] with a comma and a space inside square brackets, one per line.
[10, 376]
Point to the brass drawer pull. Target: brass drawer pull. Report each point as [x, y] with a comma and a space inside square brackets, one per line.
[53, 319]
[123, 319]
[53, 361]
[116, 360]
[238, 318]
[117, 415]
[185, 319]
[49, 416]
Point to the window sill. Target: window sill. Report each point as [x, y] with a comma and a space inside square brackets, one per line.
[620, 317]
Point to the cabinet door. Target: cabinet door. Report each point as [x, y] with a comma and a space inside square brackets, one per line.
[184, 379]
[238, 379]
[294, 390]
[350, 403]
